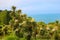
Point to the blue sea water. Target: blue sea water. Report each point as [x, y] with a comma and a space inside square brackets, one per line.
[46, 17]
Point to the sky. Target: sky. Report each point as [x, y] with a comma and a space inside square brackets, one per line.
[32, 6]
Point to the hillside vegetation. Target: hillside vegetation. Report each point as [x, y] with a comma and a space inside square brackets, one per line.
[17, 26]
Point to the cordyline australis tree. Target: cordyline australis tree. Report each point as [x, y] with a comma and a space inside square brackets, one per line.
[15, 23]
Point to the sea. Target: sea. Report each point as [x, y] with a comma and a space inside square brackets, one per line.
[46, 17]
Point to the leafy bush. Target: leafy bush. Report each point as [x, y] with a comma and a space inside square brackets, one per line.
[12, 38]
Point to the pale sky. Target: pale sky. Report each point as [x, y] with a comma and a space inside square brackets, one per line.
[32, 6]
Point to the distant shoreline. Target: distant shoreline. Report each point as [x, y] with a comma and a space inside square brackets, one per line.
[46, 17]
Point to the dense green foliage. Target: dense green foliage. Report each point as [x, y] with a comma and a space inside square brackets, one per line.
[17, 26]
